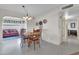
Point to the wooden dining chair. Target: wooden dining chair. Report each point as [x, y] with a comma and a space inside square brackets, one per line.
[34, 38]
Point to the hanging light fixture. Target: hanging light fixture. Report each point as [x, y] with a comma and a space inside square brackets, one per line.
[27, 17]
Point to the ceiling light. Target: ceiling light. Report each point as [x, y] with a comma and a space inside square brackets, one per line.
[27, 17]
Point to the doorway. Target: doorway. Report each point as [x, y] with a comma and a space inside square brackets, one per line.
[72, 29]
[68, 28]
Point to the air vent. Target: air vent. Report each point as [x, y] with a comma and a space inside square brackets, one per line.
[68, 6]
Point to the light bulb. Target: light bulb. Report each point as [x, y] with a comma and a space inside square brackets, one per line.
[30, 18]
[26, 17]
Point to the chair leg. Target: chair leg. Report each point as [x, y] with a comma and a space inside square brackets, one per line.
[34, 45]
[39, 44]
[28, 42]
[28, 45]
[21, 45]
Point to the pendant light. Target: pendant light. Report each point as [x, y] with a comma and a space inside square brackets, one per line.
[26, 17]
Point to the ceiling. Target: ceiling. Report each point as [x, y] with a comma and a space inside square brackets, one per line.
[74, 10]
[33, 9]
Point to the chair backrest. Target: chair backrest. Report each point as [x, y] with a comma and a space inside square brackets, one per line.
[37, 34]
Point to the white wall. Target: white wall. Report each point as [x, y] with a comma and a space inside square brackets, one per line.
[51, 29]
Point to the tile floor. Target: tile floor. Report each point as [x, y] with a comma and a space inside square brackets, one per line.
[12, 47]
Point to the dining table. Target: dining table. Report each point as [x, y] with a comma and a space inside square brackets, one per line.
[33, 37]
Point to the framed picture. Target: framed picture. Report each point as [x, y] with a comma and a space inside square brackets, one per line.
[72, 25]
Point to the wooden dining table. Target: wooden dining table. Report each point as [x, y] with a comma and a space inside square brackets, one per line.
[33, 37]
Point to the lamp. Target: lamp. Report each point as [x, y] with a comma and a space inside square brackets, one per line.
[27, 17]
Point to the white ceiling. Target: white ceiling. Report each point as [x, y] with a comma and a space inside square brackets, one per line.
[74, 10]
[33, 9]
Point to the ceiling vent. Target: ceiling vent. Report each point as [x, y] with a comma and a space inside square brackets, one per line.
[68, 6]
